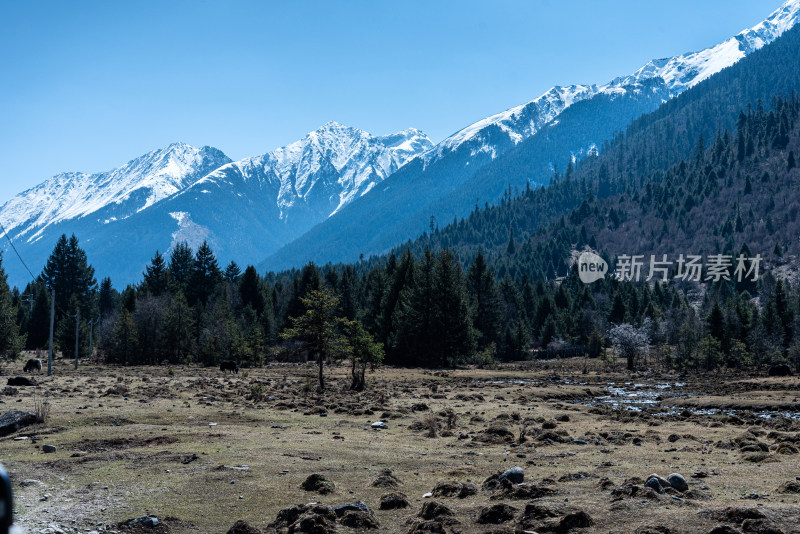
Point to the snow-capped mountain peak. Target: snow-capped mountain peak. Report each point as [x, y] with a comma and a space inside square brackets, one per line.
[328, 168]
[677, 73]
[131, 188]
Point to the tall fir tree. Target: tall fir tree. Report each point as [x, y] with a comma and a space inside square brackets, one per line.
[11, 340]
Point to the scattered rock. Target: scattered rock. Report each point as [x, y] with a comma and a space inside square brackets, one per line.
[318, 483]
[392, 501]
[654, 484]
[498, 513]
[359, 506]
[242, 527]
[49, 448]
[146, 521]
[515, 475]
[677, 481]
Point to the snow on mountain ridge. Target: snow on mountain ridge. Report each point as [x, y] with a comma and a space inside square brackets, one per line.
[678, 73]
[141, 183]
[342, 162]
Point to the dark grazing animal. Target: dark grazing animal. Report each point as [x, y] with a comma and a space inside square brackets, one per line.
[229, 365]
[780, 370]
[22, 381]
[30, 365]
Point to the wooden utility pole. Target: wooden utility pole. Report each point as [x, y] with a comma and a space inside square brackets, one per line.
[52, 320]
[91, 329]
[77, 324]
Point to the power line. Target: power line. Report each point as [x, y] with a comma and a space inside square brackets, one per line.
[8, 237]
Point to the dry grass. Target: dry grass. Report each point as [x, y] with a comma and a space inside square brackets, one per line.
[120, 458]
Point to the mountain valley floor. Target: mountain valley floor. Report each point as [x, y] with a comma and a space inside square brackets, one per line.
[201, 450]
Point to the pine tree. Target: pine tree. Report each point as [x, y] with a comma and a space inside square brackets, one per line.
[178, 329]
[232, 272]
[204, 277]
[485, 302]
[11, 341]
[250, 290]
[156, 278]
[39, 322]
[68, 272]
[716, 322]
[181, 262]
[318, 329]
[511, 248]
[455, 340]
[123, 344]
[412, 341]
[108, 298]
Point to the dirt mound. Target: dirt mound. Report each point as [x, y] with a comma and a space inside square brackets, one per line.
[242, 527]
[435, 510]
[319, 483]
[391, 501]
[495, 434]
[454, 489]
[498, 513]
[359, 519]
[385, 480]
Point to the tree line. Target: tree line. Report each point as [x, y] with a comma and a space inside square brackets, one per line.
[500, 285]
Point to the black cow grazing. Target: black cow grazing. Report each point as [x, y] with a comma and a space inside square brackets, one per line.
[780, 370]
[229, 365]
[22, 381]
[32, 364]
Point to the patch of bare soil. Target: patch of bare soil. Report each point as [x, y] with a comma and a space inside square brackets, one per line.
[103, 445]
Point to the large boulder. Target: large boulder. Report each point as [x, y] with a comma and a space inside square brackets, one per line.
[359, 506]
[677, 481]
[515, 475]
[12, 421]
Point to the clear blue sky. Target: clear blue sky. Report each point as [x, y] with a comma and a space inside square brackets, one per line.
[87, 86]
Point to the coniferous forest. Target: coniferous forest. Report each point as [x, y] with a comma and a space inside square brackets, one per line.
[500, 285]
